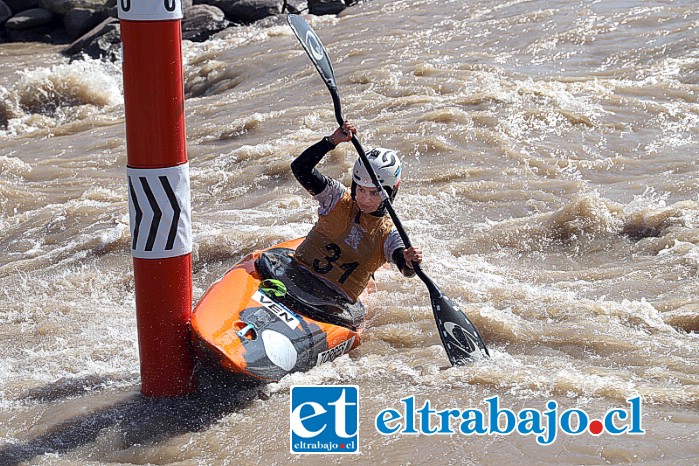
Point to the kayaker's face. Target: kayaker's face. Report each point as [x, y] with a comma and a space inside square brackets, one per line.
[368, 199]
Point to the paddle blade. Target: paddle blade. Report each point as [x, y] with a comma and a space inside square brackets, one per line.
[314, 48]
[460, 337]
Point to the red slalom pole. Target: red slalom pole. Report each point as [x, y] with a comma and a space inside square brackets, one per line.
[159, 193]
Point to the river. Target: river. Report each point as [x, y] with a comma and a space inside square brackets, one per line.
[550, 153]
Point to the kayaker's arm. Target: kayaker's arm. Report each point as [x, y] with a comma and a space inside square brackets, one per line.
[403, 258]
[403, 265]
[303, 167]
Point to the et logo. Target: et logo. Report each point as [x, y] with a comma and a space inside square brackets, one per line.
[324, 419]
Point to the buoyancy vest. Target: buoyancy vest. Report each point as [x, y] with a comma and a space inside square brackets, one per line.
[345, 246]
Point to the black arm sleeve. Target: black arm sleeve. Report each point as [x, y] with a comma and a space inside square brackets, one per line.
[399, 260]
[303, 167]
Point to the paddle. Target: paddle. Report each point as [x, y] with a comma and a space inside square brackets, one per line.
[459, 336]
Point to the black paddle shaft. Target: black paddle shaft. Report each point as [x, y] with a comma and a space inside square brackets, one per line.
[460, 338]
[467, 339]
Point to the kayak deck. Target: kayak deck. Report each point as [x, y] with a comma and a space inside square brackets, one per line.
[259, 337]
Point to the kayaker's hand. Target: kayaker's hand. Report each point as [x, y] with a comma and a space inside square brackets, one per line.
[412, 254]
[343, 134]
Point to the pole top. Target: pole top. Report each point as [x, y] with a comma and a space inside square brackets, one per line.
[150, 10]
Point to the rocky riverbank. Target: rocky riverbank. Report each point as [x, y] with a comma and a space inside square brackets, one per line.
[91, 27]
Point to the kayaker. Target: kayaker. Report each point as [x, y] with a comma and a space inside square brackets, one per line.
[354, 234]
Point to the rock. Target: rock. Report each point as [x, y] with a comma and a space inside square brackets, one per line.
[295, 6]
[61, 7]
[248, 11]
[29, 19]
[202, 21]
[112, 11]
[108, 45]
[38, 34]
[103, 41]
[326, 7]
[78, 21]
[5, 12]
[21, 5]
[62, 21]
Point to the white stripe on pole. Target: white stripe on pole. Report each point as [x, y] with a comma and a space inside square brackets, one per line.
[149, 10]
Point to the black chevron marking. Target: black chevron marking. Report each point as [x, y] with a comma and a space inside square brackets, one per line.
[157, 214]
[176, 209]
[139, 214]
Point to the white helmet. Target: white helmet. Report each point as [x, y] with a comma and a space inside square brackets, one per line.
[387, 167]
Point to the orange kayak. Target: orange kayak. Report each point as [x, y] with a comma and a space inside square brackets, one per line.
[266, 318]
